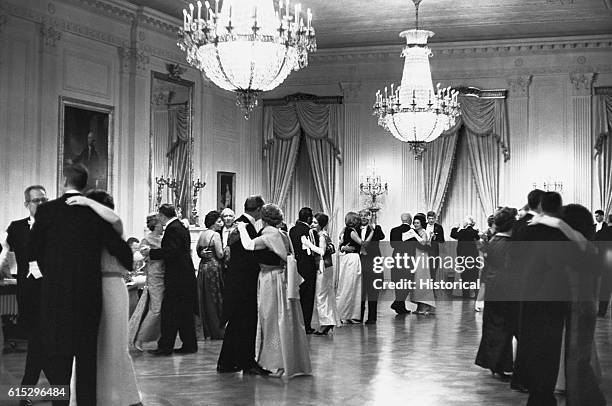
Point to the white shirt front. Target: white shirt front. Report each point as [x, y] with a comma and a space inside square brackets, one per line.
[598, 226]
[430, 229]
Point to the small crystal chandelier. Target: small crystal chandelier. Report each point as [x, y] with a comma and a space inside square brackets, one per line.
[247, 47]
[413, 112]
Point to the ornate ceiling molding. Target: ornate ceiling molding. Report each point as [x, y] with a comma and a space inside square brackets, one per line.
[61, 25]
[110, 8]
[451, 75]
[467, 49]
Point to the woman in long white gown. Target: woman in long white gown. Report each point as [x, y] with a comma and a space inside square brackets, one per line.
[422, 294]
[348, 295]
[116, 380]
[325, 297]
[282, 345]
[145, 323]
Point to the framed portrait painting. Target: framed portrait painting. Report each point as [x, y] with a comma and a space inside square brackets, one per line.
[85, 136]
[226, 188]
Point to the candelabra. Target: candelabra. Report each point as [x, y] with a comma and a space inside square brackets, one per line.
[166, 182]
[197, 185]
[373, 188]
[550, 186]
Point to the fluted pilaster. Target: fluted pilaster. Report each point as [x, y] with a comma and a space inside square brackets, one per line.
[350, 174]
[516, 184]
[582, 84]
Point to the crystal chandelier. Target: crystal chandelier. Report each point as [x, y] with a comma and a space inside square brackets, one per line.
[247, 47]
[413, 112]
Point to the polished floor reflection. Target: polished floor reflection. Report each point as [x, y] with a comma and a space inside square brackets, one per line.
[419, 360]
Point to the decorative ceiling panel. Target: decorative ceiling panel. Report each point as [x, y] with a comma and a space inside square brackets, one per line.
[353, 23]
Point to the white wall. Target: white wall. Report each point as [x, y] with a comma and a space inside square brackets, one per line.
[105, 53]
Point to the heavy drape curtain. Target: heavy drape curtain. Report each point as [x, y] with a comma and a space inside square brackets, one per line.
[486, 125]
[283, 128]
[603, 150]
[438, 161]
[178, 155]
[486, 130]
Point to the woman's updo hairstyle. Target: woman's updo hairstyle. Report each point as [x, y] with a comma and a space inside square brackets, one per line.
[102, 197]
[322, 219]
[421, 218]
[211, 218]
[504, 219]
[352, 219]
[271, 214]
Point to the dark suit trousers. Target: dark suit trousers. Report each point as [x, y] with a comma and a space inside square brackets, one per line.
[177, 316]
[368, 276]
[238, 348]
[539, 349]
[29, 310]
[307, 292]
[59, 367]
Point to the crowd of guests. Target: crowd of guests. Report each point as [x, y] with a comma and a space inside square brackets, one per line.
[545, 270]
[262, 288]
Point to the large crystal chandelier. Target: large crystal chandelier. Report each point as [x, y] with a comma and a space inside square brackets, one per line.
[247, 46]
[413, 112]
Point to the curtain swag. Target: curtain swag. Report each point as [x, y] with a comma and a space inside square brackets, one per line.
[316, 121]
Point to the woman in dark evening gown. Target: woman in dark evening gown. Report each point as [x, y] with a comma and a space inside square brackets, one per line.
[210, 276]
[500, 317]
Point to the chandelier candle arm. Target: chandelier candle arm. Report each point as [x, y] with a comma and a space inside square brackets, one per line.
[414, 112]
[247, 47]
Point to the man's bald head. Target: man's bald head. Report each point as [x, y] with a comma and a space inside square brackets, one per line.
[406, 218]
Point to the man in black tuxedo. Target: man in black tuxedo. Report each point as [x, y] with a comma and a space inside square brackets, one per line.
[370, 234]
[307, 267]
[240, 299]
[180, 296]
[437, 237]
[517, 257]
[28, 283]
[545, 291]
[401, 247]
[67, 243]
[600, 224]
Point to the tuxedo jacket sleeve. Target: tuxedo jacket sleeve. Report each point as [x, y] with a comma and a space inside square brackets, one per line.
[395, 237]
[439, 230]
[379, 235]
[454, 233]
[170, 246]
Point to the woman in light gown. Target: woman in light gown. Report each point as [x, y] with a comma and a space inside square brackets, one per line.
[348, 295]
[282, 345]
[210, 276]
[145, 323]
[116, 380]
[423, 296]
[325, 297]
